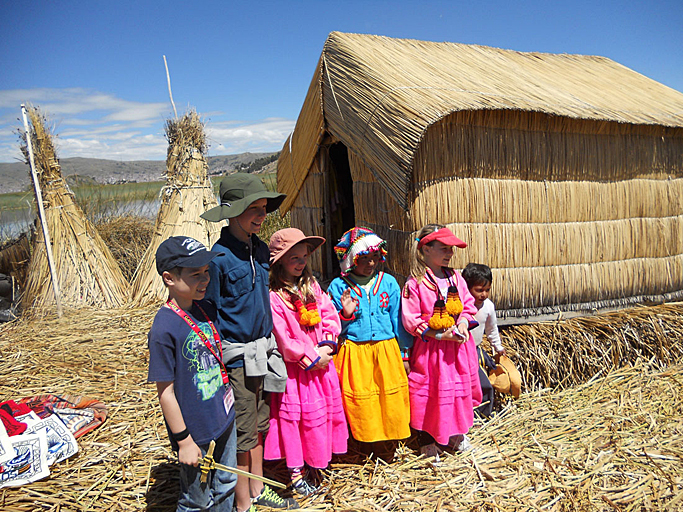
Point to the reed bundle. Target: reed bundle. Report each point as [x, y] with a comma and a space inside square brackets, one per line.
[187, 194]
[87, 272]
[514, 144]
[14, 258]
[128, 237]
[569, 352]
[613, 443]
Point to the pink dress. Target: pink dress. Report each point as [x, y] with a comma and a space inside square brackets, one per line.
[307, 422]
[443, 380]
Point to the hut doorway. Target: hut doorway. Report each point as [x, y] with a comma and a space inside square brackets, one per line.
[341, 214]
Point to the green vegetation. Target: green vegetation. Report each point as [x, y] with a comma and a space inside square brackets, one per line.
[259, 163]
[119, 193]
[15, 200]
[123, 214]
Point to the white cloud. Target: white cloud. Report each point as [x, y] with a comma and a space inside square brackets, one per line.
[262, 136]
[95, 124]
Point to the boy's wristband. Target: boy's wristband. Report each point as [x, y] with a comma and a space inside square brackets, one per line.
[181, 435]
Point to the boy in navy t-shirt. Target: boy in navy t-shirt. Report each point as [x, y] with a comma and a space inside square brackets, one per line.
[192, 382]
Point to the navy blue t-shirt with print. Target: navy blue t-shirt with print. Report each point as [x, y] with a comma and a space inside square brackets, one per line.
[177, 354]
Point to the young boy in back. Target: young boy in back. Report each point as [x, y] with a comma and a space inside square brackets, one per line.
[192, 382]
[479, 278]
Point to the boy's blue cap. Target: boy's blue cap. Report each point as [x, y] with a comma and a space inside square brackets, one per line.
[183, 251]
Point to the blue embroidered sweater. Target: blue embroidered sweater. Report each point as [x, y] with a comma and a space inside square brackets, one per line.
[377, 315]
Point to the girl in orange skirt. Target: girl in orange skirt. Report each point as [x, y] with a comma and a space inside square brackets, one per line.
[369, 363]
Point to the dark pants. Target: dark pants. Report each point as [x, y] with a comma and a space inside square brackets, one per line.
[486, 364]
[217, 493]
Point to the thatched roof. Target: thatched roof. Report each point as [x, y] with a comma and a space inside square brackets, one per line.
[378, 95]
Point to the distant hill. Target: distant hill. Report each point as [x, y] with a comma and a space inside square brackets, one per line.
[15, 176]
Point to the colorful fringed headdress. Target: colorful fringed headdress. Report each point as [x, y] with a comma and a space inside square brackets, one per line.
[357, 242]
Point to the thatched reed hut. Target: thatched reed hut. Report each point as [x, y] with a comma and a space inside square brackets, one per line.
[187, 194]
[86, 271]
[564, 173]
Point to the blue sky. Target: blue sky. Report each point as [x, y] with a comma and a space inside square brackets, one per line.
[96, 68]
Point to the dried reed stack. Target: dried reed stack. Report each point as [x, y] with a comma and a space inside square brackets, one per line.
[570, 352]
[187, 194]
[14, 258]
[87, 273]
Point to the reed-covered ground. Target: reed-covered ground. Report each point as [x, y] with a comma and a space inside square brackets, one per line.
[613, 443]
[601, 429]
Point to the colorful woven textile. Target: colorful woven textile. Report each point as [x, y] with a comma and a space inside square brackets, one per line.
[80, 414]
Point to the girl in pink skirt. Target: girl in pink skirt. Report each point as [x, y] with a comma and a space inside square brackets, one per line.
[307, 422]
[438, 311]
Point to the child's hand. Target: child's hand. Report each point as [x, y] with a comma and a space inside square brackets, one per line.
[324, 349]
[454, 334]
[502, 352]
[463, 330]
[323, 361]
[188, 452]
[325, 353]
[406, 367]
[348, 303]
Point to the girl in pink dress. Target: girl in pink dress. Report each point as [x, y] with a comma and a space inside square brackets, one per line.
[438, 310]
[307, 422]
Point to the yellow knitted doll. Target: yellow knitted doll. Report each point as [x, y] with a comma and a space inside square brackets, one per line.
[440, 319]
[453, 302]
[308, 314]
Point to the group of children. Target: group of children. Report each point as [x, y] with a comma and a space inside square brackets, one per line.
[250, 352]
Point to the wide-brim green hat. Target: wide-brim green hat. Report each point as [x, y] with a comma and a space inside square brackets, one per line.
[237, 192]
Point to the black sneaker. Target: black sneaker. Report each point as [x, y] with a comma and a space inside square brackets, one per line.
[269, 498]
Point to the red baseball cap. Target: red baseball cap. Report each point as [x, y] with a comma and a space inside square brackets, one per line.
[443, 235]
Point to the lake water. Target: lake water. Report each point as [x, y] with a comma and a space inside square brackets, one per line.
[16, 221]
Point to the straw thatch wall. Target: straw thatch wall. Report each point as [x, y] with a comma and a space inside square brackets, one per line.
[187, 194]
[309, 214]
[562, 172]
[568, 212]
[86, 271]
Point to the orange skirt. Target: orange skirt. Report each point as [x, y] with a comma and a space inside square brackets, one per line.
[374, 390]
